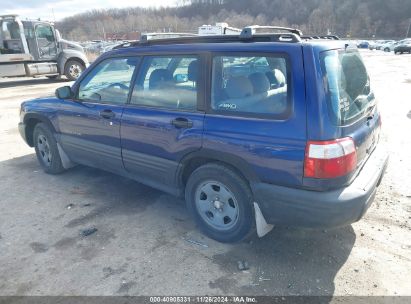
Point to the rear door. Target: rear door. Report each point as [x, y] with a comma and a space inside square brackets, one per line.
[256, 112]
[162, 123]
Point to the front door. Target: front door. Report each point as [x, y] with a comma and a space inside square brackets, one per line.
[90, 125]
[46, 42]
[162, 123]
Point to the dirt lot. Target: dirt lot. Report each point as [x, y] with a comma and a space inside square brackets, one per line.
[141, 245]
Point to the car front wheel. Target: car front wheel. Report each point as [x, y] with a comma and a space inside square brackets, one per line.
[221, 203]
[46, 149]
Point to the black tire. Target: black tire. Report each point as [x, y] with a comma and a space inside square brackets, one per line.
[386, 50]
[242, 224]
[46, 149]
[52, 76]
[73, 69]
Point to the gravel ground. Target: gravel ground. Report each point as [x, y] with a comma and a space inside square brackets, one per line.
[141, 248]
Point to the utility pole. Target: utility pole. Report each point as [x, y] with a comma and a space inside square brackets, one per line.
[408, 32]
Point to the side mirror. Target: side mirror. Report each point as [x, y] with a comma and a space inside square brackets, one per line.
[64, 93]
[180, 78]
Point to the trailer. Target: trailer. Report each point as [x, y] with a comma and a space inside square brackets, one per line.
[220, 28]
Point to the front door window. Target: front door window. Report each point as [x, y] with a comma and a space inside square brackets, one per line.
[109, 81]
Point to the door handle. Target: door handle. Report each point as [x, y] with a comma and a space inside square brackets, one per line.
[107, 114]
[182, 123]
[369, 118]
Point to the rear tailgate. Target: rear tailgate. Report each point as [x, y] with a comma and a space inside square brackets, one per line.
[345, 107]
[352, 106]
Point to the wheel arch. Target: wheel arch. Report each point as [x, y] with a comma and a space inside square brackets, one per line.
[68, 55]
[199, 158]
[31, 120]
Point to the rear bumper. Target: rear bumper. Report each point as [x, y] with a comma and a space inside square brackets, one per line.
[341, 207]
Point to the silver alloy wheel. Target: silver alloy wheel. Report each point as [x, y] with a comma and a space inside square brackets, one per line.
[44, 149]
[216, 205]
[75, 70]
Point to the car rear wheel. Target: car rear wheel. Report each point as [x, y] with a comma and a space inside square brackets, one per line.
[221, 203]
[386, 50]
[73, 69]
[46, 149]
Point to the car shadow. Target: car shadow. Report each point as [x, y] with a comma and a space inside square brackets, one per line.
[15, 82]
[287, 261]
[291, 261]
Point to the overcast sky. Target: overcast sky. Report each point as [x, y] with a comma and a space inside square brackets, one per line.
[44, 9]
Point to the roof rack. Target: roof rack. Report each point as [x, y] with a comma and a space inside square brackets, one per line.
[250, 31]
[253, 33]
[151, 36]
[328, 37]
[291, 38]
[126, 44]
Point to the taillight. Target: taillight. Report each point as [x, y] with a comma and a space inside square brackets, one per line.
[330, 159]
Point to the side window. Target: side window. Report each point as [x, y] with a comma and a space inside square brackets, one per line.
[109, 81]
[45, 32]
[167, 82]
[250, 84]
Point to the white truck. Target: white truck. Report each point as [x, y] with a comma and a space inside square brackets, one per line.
[34, 48]
[219, 28]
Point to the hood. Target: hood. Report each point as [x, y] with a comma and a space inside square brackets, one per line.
[70, 45]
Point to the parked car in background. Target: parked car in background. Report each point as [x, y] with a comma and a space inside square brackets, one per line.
[252, 134]
[389, 46]
[376, 45]
[404, 47]
[363, 45]
[380, 45]
[372, 45]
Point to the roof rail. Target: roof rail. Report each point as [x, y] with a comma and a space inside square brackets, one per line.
[287, 38]
[327, 37]
[126, 44]
[249, 31]
[151, 36]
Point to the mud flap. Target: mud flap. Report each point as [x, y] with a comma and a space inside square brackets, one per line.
[65, 160]
[262, 227]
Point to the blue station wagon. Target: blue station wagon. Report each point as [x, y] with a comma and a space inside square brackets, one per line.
[254, 130]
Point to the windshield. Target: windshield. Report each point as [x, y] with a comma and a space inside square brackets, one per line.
[347, 85]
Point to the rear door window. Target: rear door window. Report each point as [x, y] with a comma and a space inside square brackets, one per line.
[254, 84]
[347, 85]
[167, 82]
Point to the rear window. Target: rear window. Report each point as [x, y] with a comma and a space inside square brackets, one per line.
[347, 85]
